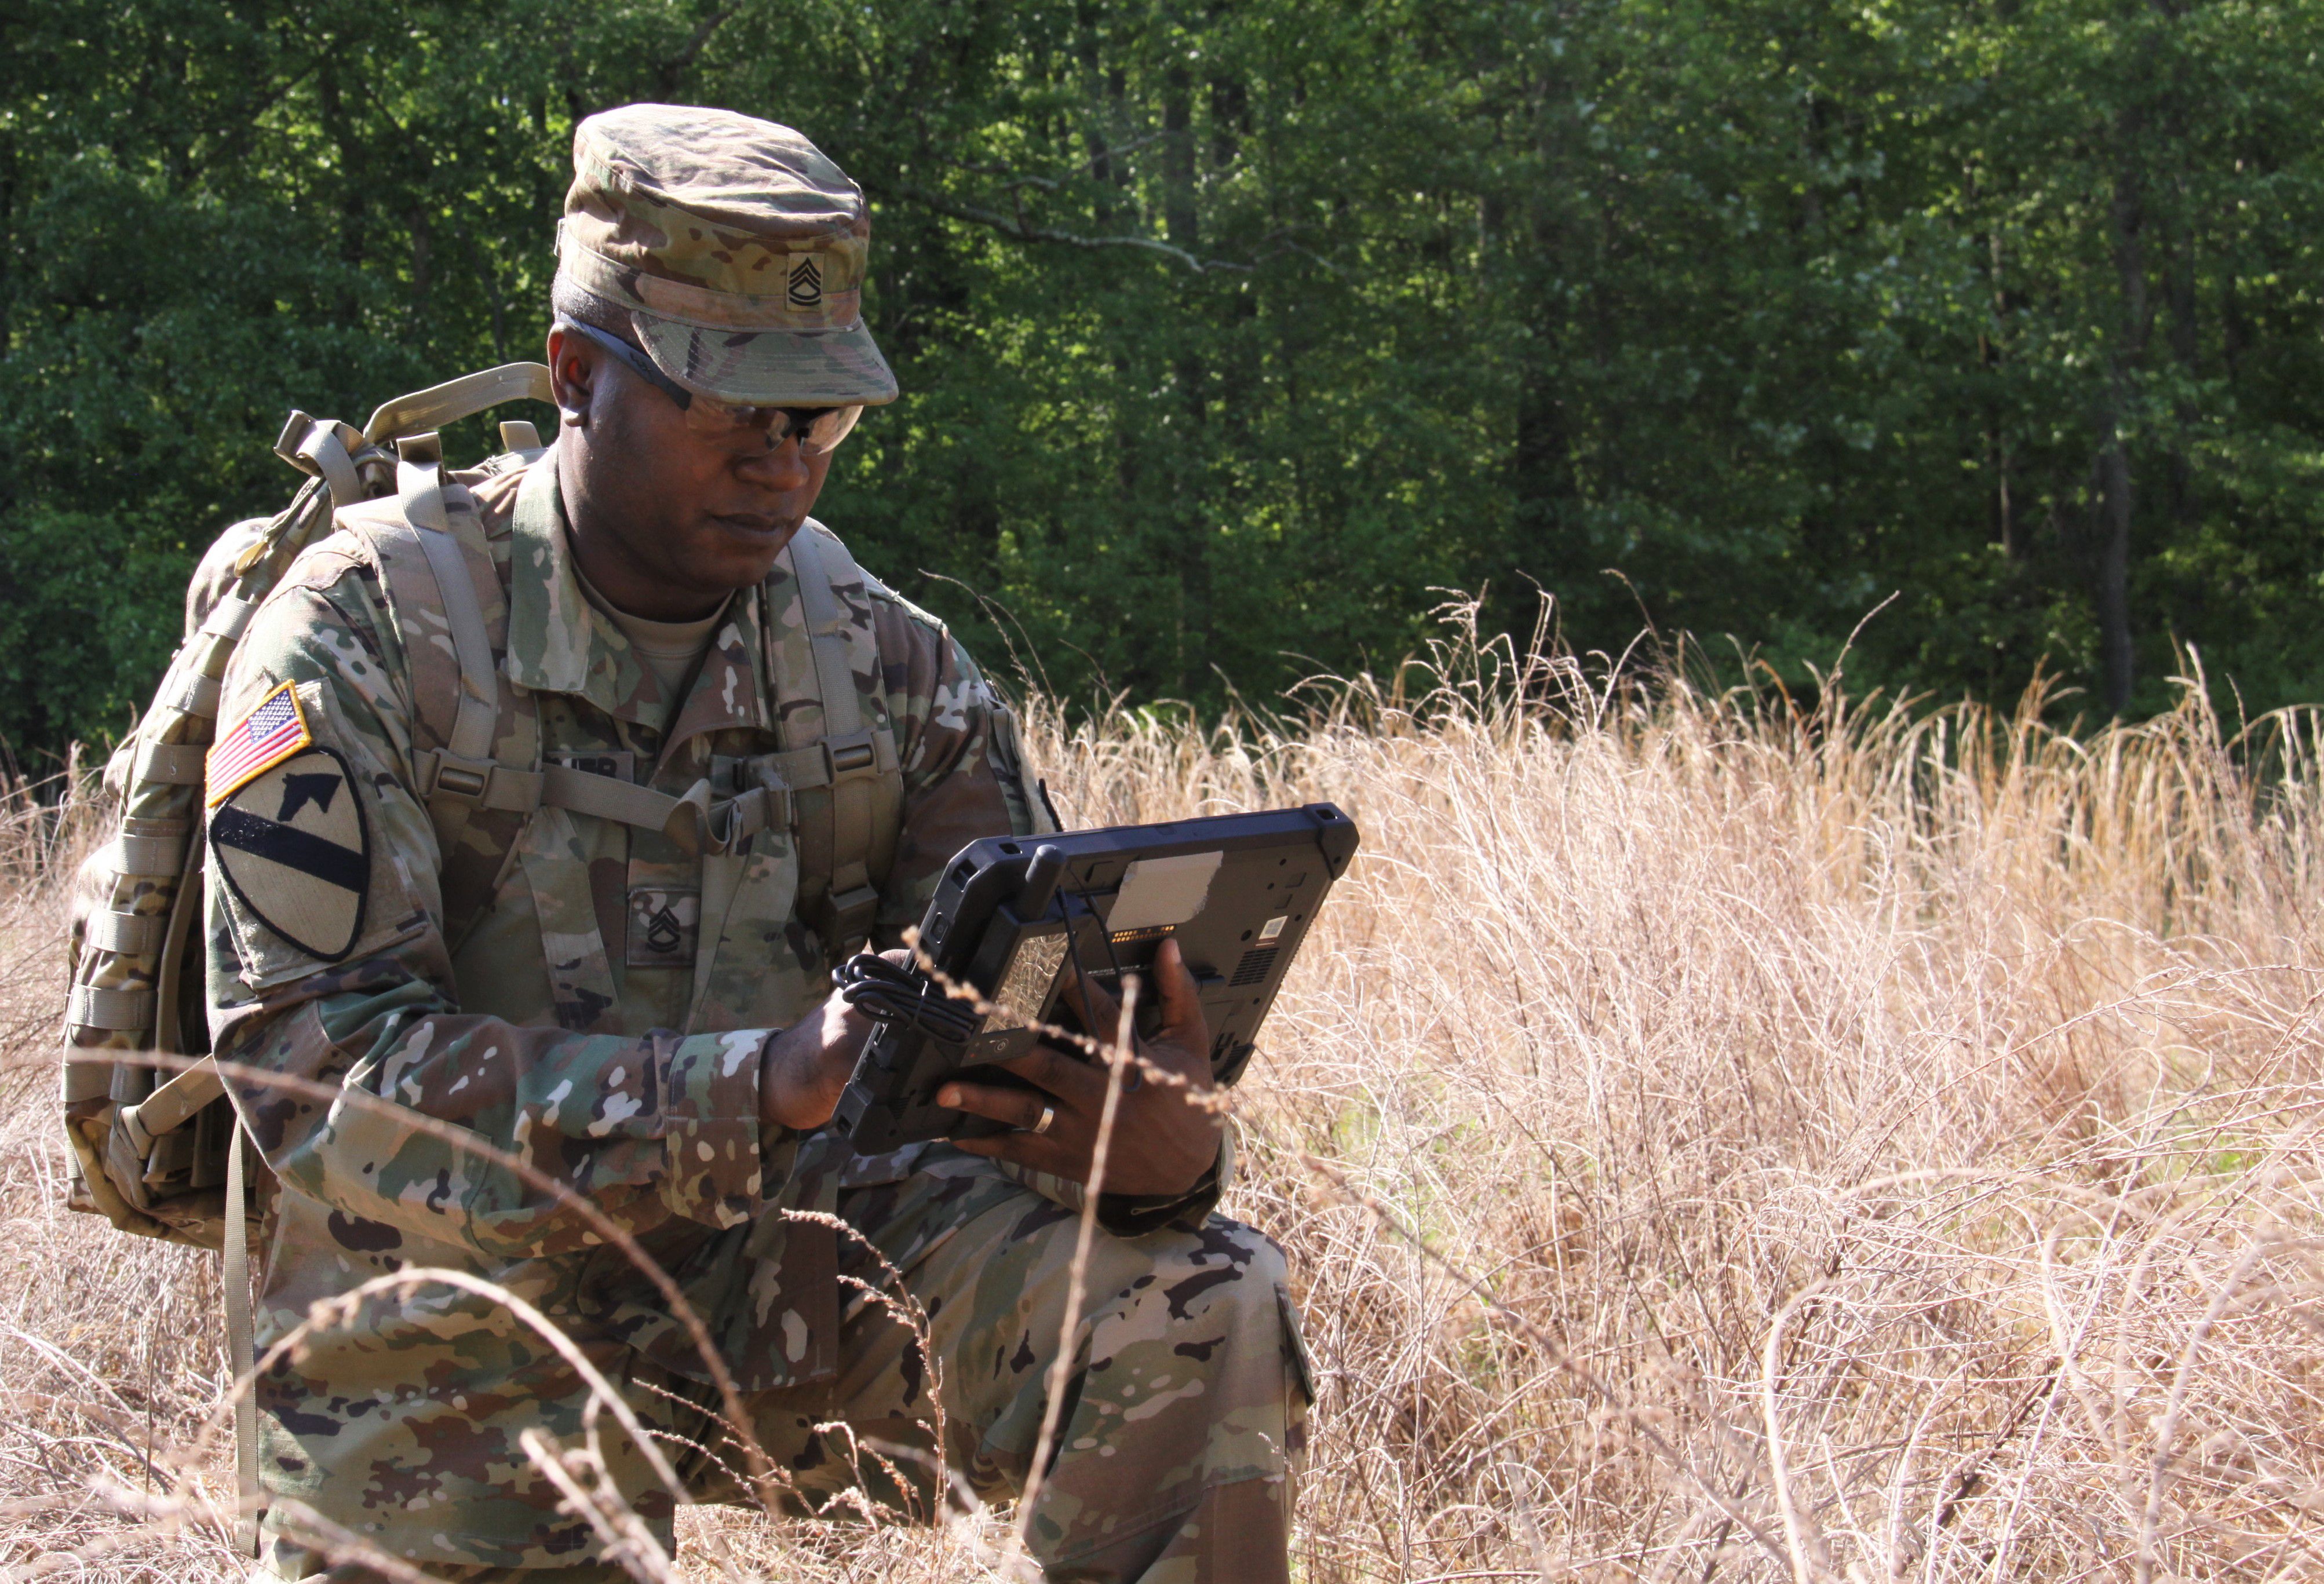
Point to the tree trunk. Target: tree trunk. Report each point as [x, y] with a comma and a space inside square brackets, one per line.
[1181, 226]
[2007, 530]
[1097, 133]
[1179, 221]
[2112, 581]
[2126, 216]
[353, 178]
[1542, 479]
[423, 238]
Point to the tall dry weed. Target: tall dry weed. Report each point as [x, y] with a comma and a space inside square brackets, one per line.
[1714, 1139]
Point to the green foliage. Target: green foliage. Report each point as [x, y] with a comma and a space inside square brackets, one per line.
[1231, 330]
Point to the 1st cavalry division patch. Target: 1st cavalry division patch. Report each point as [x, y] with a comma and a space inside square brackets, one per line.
[292, 843]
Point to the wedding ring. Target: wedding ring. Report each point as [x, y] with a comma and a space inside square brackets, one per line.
[1048, 1119]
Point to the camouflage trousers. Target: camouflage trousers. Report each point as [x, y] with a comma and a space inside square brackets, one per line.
[1182, 1420]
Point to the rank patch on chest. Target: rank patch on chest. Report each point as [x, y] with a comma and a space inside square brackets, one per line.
[664, 923]
[292, 843]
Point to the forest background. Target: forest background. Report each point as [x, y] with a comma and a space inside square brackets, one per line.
[1231, 330]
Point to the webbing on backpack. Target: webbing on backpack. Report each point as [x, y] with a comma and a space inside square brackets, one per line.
[242, 1352]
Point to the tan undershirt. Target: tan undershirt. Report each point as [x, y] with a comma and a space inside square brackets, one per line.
[672, 651]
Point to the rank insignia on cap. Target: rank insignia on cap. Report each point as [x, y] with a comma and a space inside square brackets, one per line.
[275, 729]
[292, 843]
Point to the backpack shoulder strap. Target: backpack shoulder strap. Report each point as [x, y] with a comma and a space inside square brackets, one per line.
[463, 581]
[849, 796]
[475, 739]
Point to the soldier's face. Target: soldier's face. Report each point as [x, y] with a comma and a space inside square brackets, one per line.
[688, 516]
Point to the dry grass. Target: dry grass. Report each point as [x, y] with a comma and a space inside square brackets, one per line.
[1866, 1146]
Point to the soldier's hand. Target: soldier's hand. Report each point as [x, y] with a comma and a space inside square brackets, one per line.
[1165, 1137]
[804, 1070]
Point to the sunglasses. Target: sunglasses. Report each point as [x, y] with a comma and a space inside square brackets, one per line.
[819, 429]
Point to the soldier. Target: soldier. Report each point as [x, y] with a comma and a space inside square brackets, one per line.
[719, 756]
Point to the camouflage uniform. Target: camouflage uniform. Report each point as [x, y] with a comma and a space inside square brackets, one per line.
[604, 1021]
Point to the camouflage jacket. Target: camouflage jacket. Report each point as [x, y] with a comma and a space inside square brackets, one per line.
[575, 1026]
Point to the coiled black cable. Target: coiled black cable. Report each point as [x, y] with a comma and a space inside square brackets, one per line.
[887, 993]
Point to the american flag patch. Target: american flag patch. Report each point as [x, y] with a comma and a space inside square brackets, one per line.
[261, 740]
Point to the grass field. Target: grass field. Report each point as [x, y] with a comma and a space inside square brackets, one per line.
[1862, 1144]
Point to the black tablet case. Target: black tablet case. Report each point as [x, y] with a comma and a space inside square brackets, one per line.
[1238, 892]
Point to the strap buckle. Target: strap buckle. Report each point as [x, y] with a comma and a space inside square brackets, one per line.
[729, 823]
[443, 776]
[844, 919]
[853, 758]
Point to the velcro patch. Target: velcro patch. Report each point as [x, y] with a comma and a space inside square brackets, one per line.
[293, 843]
[275, 729]
[665, 922]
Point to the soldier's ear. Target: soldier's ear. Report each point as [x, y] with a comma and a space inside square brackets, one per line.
[572, 376]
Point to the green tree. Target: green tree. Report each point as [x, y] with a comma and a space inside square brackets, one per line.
[1234, 330]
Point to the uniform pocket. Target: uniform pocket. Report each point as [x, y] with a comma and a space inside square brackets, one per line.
[786, 1331]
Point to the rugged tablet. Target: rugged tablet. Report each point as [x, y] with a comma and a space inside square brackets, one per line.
[1016, 917]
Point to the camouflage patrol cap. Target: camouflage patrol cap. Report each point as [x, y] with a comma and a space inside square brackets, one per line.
[736, 247]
